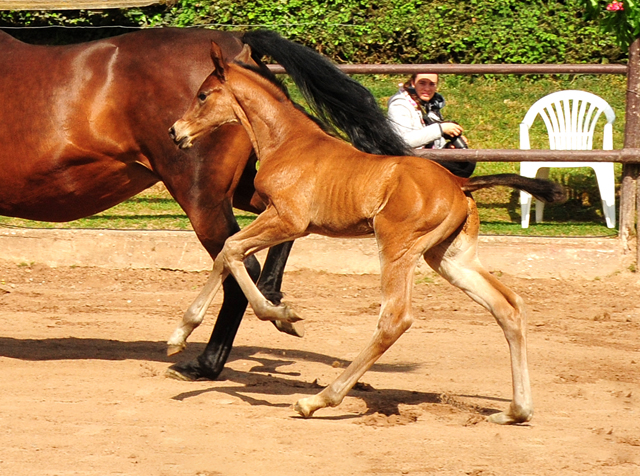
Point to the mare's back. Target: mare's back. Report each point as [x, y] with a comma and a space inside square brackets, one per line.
[156, 65]
[121, 90]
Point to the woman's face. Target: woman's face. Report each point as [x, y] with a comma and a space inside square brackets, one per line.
[426, 85]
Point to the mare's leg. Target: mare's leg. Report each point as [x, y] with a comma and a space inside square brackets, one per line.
[210, 363]
[270, 281]
[458, 262]
[204, 188]
[397, 267]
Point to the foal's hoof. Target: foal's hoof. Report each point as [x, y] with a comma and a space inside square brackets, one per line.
[173, 349]
[286, 314]
[505, 418]
[281, 312]
[294, 329]
[303, 409]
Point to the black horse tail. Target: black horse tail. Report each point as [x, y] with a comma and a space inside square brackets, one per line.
[542, 189]
[332, 95]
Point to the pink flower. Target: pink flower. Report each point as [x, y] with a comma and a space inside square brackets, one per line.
[615, 6]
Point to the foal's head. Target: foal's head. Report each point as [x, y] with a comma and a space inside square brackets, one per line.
[214, 104]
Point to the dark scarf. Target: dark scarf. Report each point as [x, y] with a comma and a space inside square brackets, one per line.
[431, 109]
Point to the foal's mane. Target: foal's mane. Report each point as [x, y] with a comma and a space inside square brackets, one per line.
[264, 72]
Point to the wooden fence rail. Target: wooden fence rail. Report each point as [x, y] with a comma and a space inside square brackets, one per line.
[624, 156]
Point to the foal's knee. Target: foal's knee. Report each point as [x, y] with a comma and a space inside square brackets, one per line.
[231, 252]
[513, 321]
[392, 326]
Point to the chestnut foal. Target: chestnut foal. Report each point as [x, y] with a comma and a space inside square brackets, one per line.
[310, 182]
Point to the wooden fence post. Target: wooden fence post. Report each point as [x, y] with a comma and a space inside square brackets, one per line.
[629, 184]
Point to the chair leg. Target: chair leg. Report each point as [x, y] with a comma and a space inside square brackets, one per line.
[539, 211]
[527, 169]
[605, 177]
[543, 173]
[525, 208]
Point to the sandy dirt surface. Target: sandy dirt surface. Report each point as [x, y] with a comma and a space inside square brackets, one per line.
[84, 392]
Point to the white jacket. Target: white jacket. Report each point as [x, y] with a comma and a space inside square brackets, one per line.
[407, 121]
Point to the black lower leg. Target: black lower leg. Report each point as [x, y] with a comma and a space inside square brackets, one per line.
[210, 363]
[270, 282]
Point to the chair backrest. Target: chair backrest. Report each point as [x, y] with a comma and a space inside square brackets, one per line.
[570, 117]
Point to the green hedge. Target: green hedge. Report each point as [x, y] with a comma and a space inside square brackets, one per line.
[377, 31]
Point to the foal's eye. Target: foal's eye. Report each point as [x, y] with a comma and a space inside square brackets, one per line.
[202, 96]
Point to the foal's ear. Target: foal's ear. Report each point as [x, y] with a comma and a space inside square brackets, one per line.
[245, 56]
[219, 65]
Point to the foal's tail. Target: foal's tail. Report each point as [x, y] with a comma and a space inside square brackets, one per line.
[542, 189]
[332, 95]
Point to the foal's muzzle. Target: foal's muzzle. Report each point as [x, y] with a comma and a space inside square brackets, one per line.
[183, 141]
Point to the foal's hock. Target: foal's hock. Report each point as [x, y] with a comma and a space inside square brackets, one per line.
[309, 182]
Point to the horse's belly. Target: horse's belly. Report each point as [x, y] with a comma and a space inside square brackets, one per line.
[341, 228]
[70, 194]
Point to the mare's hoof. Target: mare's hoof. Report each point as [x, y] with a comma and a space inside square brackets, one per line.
[187, 371]
[173, 349]
[294, 329]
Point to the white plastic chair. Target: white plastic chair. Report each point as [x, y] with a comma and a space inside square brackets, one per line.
[570, 117]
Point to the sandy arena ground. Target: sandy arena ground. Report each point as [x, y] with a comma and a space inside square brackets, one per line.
[82, 364]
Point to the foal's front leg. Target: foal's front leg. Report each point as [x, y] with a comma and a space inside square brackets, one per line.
[195, 314]
[266, 231]
[270, 283]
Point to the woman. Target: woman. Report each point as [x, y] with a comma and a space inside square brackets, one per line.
[414, 112]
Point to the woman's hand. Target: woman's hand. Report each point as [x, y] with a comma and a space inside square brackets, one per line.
[451, 128]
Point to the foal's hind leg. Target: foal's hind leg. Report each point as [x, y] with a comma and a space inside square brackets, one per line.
[458, 263]
[395, 318]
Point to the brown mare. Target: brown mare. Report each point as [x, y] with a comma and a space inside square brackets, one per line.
[84, 128]
[310, 182]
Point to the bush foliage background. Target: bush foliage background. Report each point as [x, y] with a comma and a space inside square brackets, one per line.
[370, 31]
